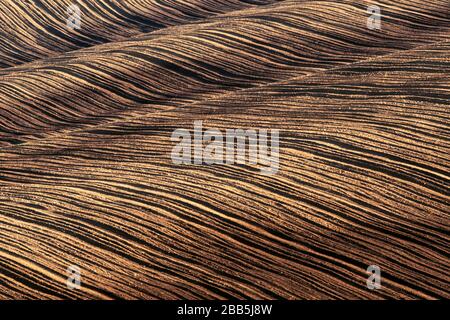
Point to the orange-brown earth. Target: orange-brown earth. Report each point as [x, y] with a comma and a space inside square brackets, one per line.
[87, 179]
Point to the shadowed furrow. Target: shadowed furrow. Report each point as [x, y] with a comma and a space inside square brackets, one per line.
[36, 29]
[354, 188]
[123, 79]
[87, 175]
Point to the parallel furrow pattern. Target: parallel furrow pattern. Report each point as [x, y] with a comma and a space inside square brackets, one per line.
[86, 176]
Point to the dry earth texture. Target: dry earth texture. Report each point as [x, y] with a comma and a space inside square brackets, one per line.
[87, 179]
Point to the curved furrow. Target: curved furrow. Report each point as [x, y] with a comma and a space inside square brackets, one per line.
[191, 63]
[363, 180]
[37, 29]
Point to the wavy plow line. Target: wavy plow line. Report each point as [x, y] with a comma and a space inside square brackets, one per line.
[37, 29]
[124, 78]
[86, 176]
